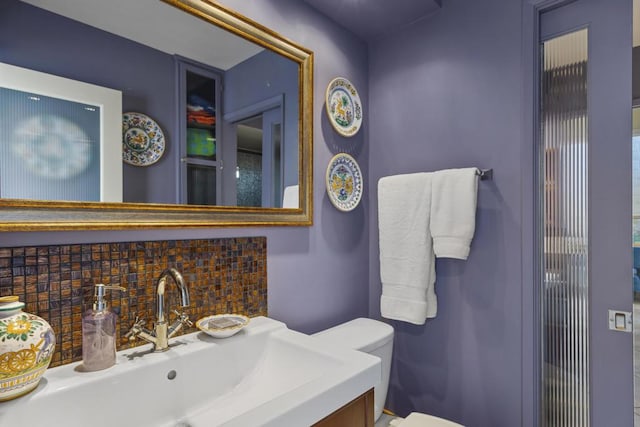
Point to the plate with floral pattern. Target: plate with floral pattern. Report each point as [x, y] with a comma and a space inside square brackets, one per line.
[344, 182]
[343, 106]
[142, 140]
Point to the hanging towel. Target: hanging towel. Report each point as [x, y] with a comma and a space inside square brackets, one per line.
[453, 211]
[407, 265]
[421, 216]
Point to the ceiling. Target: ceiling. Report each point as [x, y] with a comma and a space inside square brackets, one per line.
[157, 25]
[370, 19]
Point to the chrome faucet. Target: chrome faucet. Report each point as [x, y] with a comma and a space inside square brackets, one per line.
[161, 333]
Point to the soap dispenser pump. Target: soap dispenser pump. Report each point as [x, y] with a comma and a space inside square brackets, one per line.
[99, 331]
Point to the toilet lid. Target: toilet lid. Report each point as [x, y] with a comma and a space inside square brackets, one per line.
[359, 334]
[416, 419]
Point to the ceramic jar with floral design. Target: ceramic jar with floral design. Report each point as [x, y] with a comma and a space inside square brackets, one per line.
[26, 347]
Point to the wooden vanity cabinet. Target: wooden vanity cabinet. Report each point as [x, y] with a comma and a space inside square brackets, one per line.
[357, 413]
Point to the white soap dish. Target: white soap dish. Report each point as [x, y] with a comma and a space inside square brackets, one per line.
[222, 325]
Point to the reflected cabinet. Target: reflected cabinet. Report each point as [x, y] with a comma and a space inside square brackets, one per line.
[199, 134]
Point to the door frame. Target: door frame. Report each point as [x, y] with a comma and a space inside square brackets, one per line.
[271, 198]
[531, 298]
[233, 117]
[530, 186]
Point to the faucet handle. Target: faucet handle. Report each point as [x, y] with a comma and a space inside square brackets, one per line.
[183, 317]
[136, 328]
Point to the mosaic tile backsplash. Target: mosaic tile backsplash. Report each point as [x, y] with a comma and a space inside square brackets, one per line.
[56, 282]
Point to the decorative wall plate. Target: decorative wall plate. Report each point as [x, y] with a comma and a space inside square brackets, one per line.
[343, 106]
[222, 325]
[142, 140]
[344, 182]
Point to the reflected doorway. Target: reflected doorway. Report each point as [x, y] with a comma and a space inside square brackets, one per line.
[259, 166]
[249, 159]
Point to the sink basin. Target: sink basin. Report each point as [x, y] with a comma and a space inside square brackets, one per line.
[266, 375]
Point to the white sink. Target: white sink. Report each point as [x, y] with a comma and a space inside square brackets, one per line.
[266, 375]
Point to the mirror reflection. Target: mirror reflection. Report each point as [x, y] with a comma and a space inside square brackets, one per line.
[49, 147]
[206, 117]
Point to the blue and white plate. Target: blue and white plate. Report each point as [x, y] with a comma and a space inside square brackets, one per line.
[343, 106]
[344, 182]
[142, 140]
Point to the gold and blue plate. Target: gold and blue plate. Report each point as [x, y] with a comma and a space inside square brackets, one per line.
[344, 182]
[343, 106]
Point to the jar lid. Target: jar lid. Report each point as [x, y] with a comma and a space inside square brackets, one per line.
[11, 302]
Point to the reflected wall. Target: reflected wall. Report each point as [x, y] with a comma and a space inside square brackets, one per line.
[33, 37]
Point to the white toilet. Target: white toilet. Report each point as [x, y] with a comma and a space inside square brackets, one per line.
[376, 338]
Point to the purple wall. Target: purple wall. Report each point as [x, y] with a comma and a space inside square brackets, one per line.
[32, 38]
[445, 93]
[317, 276]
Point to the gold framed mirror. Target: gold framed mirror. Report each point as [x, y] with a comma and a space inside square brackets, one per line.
[38, 214]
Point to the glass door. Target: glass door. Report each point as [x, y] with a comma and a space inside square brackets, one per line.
[635, 147]
[200, 148]
[584, 206]
[635, 161]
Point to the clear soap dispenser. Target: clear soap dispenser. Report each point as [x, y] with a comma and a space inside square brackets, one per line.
[99, 331]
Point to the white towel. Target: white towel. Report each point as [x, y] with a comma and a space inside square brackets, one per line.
[453, 211]
[410, 209]
[407, 265]
[290, 197]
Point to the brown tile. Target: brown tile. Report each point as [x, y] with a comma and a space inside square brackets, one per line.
[56, 281]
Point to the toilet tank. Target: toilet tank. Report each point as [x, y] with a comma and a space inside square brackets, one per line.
[370, 336]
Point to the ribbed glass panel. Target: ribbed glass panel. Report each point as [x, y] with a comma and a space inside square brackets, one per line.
[49, 148]
[564, 302]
